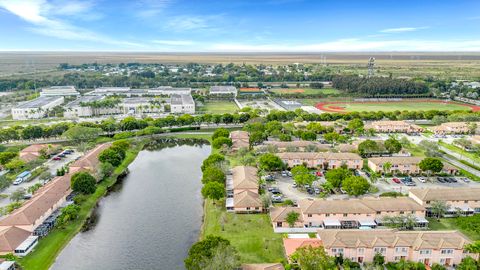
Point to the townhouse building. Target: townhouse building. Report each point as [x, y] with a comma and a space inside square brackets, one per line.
[240, 139]
[463, 201]
[428, 247]
[349, 214]
[242, 190]
[322, 160]
[295, 146]
[455, 128]
[403, 165]
[393, 127]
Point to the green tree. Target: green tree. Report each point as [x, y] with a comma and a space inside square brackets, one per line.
[378, 259]
[355, 185]
[213, 174]
[468, 263]
[105, 170]
[113, 155]
[431, 165]
[68, 214]
[220, 132]
[224, 257]
[270, 162]
[256, 137]
[81, 134]
[83, 182]
[474, 248]
[214, 159]
[336, 176]
[5, 157]
[368, 147]
[437, 266]
[15, 164]
[387, 166]
[356, 125]
[203, 250]
[313, 258]
[122, 144]
[292, 218]
[221, 141]
[392, 145]
[213, 190]
[438, 208]
[17, 195]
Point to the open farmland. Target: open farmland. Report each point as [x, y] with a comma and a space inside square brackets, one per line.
[406, 105]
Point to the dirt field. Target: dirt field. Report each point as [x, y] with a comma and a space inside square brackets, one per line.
[406, 105]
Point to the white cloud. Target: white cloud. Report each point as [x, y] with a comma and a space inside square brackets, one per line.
[41, 15]
[151, 8]
[189, 23]
[350, 45]
[174, 42]
[402, 29]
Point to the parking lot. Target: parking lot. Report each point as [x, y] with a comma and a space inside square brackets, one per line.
[52, 165]
[388, 184]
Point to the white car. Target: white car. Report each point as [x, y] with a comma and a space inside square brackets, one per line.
[422, 179]
[18, 181]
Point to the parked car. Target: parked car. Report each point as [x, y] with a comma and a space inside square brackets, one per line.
[61, 155]
[277, 198]
[317, 190]
[367, 173]
[310, 191]
[275, 191]
[57, 158]
[269, 177]
[422, 179]
[396, 180]
[284, 174]
[465, 179]
[441, 180]
[18, 181]
[294, 185]
[318, 173]
[289, 173]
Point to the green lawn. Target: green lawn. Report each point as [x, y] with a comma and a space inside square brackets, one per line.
[207, 137]
[218, 107]
[460, 151]
[251, 234]
[450, 224]
[49, 247]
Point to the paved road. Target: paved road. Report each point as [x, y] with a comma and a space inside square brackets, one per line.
[458, 156]
[457, 163]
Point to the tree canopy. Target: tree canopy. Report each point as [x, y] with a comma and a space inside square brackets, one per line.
[83, 182]
[270, 162]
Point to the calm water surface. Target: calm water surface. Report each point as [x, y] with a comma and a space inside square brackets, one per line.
[149, 221]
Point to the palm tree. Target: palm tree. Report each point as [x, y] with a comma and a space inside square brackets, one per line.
[386, 166]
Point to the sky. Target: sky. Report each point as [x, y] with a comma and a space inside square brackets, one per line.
[240, 26]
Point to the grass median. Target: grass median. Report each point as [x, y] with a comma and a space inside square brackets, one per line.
[50, 246]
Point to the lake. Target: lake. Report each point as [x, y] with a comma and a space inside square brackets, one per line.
[149, 220]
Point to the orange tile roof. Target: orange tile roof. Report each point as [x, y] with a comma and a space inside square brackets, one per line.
[292, 244]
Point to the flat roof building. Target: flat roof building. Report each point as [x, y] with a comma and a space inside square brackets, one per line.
[37, 108]
[182, 104]
[223, 90]
[59, 91]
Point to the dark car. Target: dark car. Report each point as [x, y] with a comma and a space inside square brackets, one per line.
[441, 180]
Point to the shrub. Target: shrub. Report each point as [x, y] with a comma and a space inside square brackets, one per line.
[83, 182]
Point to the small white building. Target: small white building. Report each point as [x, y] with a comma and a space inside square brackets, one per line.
[78, 107]
[182, 104]
[37, 108]
[223, 90]
[168, 91]
[141, 105]
[59, 91]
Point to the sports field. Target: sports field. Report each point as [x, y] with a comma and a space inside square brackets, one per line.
[218, 107]
[305, 91]
[405, 105]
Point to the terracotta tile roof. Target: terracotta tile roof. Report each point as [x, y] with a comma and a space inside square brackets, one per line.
[239, 134]
[245, 199]
[90, 160]
[368, 205]
[279, 214]
[263, 266]
[319, 155]
[245, 177]
[396, 160]
[392, 238]
[446, 194]
[300, 143]
[11, 238]
[292, 244]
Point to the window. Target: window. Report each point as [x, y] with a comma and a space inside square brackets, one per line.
[279, 224]
[380, 250]
[402, 212]
[327, 215]
[378, 212]
[309, 215]
[401, 249]
[345, 215]
[248, 208]
[427, 202]
[425, 251]
[446, 251]
[465, 201]
[337, 250]
[360, 251]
